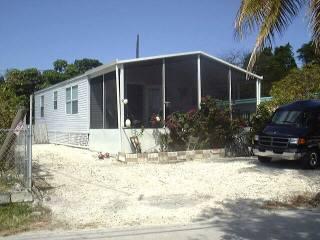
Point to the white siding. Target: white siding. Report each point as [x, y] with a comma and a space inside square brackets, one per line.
[58, 120]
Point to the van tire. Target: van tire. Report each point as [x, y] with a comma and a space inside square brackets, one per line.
[264, 159]
[310, 160]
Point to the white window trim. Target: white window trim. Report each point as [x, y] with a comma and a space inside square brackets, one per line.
[55, 100]
[41, 106]
[72, 100]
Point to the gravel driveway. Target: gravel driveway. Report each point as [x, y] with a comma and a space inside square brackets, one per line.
[91, 192]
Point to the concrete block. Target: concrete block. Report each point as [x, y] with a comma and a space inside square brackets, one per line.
[131, 155]
[172, 154]
[4, 198]
[24, 196]
[182, 153]
[121, 157]
[163, 156]
[198, 156]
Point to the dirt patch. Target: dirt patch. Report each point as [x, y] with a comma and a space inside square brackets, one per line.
[305, 200]
[85, 191]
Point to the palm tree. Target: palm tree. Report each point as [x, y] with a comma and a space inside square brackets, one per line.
[273, 16]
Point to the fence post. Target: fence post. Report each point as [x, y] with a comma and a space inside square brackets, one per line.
[29, 185]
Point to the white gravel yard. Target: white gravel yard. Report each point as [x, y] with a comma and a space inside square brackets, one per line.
[92, 192]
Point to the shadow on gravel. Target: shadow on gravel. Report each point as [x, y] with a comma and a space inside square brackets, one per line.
[243, 219]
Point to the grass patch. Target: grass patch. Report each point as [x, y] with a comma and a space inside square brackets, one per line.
[7, 180]
[306, 200]
[4, 186]
[17, 217]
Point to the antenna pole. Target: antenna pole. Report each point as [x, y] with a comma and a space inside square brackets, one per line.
[138, 47]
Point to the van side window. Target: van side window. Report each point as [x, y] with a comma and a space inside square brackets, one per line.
[317, 121]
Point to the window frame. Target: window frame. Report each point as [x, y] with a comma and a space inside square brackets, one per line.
[72, 100]
[42, 106]
[55, 100]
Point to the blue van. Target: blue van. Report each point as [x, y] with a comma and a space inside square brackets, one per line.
[293, 133]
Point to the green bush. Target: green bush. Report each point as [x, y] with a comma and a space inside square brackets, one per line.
[299, 84]
[261, 118]
[9, 105]
[211, 126]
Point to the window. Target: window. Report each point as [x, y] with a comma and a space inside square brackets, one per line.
[55, 100]
[293, 118]
[42, 106]
[72, 100]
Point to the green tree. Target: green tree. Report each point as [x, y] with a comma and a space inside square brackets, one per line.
[273, 65]
[71, 71]
[60, 65]
[9, 104]
[270, 17]
[86, 64]
[307, 53]
[51, 77]
[299, 84]
[24, 83]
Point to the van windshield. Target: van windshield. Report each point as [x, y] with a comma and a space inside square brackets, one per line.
[296, 118]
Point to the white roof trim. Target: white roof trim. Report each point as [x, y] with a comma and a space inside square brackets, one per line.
[232, 66]
[116, 62]
[60, 84]
[157, 57]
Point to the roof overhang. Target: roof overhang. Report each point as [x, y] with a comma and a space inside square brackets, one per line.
[112, 66]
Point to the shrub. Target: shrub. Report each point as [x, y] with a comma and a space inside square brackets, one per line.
[211, 125]
[299, 84]
[9, 104]
[261, 118]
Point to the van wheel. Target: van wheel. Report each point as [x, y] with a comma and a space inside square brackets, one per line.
[310, 160]
[264, 159]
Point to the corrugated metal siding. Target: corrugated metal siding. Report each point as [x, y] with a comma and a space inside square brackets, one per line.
[58, 120]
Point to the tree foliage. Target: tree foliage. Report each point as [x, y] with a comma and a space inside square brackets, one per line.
[23, 83]
[299, 84]
[60, 65]
[211, 125]
[18, 85]
[271, 17]
[9, 104]
[86, 64]
[307, 54]
[273, 65]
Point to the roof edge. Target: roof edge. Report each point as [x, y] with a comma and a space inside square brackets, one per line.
[116, 62]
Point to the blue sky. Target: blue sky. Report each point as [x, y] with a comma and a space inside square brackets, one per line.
[34, 33]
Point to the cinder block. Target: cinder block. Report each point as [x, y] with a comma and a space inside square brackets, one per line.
[181, 153]
[121, 157]
[163, 156]
[172, 154]
[131, 155]
[4, 198]
[198, 156]
[24, 196]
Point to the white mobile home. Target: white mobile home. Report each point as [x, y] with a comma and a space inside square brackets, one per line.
[91, 110]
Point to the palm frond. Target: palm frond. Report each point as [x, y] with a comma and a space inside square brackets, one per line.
[268, 17]
[315, 23]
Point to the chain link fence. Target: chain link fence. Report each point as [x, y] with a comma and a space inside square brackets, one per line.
[15, 157]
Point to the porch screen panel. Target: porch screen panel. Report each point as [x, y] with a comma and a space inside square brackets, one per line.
[143, 89]
[181, 84]
[243, 95]
[110, 94]
[214, 80]
[96, 103]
